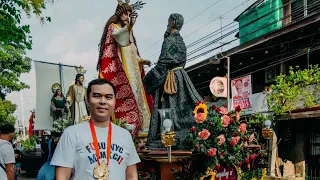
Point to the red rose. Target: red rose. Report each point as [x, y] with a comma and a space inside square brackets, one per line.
[235, 134]
[238, 108]
[247, 161]
[196, 147]
[232, 121]
[199, 103]
[152, 170]
[142, 173]
[218, 109]
[240, 164]
[217, 166]
[214, 107]
[252, 157]
[193, 129]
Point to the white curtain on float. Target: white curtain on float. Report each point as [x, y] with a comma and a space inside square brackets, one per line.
[48, 74]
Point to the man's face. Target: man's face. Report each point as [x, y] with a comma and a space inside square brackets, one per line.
[81, 79]
[125, 17]
[101, 102]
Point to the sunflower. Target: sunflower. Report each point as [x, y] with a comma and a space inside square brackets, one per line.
[201, 108]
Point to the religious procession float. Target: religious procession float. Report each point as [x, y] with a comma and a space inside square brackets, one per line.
[177, 134]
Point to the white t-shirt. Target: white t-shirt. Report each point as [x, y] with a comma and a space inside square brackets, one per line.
[6, 157]
[76, 150]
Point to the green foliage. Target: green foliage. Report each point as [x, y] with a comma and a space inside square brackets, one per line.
[13, 63]
[15, 39]
[254, 173]
[6, 111]
[29, 144]
[119, 122]
[11, 30]
[290, 89]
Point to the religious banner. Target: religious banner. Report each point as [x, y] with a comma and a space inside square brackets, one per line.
[227, 173]
[219, 86]
[241, 90]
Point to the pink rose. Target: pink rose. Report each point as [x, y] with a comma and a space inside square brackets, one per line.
[234, 141]
[204, 134]
[223, 110]
[221, 138]
[243, 128]
[251, 138]
[200, 117]
[225, 121]
[212, 152]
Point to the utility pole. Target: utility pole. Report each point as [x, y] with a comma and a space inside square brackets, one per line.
[212, 17]
[222, 42]
[23, 122]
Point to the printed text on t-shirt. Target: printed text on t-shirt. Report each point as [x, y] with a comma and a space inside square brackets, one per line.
[116, 152]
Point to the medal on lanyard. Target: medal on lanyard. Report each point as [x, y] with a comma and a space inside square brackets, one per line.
[101, 171]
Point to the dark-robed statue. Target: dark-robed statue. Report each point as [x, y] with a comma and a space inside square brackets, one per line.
[182, 97]
[58, 105]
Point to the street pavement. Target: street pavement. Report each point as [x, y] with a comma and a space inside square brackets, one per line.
[24, 176]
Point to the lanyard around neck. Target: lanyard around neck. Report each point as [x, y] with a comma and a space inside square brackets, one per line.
[95, 141]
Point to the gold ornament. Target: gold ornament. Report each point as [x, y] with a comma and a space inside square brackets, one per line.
[80, 70]
[167, 139]
[267, 133]
[85, 119]
[55, 86]
[101, 172]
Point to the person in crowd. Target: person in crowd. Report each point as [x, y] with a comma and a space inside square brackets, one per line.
[7, 157]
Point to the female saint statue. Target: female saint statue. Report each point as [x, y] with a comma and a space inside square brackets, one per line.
[58, 105]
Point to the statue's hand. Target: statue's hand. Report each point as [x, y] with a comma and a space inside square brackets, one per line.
[145, 62]
[133, 18]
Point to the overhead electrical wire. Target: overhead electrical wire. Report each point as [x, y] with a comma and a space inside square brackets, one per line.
[208, 67]
[235, 30]
[202, 54]
[206, 52]
[186, 22]
[203, 26]
[278, 62]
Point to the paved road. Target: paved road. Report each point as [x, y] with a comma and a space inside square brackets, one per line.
[24, 176]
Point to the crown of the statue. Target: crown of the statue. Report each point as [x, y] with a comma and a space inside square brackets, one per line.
[80, 70]
[124, 6]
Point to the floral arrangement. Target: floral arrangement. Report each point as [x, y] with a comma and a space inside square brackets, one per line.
[222, 138]
[145, 173]
[61, 124]
[29, 144]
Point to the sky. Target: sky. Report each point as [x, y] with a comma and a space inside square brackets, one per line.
[73, 36]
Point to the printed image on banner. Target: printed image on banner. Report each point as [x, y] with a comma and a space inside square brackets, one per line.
[241, 90]
[219, 86]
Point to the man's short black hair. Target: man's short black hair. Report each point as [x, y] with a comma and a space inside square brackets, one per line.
[100, 82]
[7, 129]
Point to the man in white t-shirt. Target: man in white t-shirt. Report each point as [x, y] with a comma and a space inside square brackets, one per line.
[75, 156]
[7, 158]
